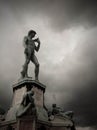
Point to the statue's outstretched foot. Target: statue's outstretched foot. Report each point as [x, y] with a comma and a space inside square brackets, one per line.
[26, 76]
[23, 75]
[36, 78]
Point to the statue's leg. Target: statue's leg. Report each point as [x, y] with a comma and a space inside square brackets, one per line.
[25, 67]
[35, 61]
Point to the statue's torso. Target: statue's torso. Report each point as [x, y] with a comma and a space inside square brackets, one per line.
[30, 43]
[30, 46]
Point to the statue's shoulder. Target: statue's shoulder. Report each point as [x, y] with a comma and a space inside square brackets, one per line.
[25, 39]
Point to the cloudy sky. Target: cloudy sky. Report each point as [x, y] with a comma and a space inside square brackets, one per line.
[68, 55]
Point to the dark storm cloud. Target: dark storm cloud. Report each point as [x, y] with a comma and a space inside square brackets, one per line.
[5, 93]
[84, 103]
[60, 13]
[84, 97]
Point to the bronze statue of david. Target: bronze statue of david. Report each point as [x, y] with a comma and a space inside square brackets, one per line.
[30, 48]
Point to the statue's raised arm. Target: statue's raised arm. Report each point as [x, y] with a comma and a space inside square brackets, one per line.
[38, 46]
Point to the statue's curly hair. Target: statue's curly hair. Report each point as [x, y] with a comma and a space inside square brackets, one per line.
[31, 32]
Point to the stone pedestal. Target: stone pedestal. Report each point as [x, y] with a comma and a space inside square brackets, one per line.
[28, 120]
[19, 89]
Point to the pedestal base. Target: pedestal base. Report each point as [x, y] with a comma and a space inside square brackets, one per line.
[29, 121]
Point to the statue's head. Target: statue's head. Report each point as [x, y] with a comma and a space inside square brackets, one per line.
[31, 33]
[29, 90]
[32, 92]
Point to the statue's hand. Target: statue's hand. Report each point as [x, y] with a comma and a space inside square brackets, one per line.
[38, 40]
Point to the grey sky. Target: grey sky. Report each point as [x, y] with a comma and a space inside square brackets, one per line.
[68, 61]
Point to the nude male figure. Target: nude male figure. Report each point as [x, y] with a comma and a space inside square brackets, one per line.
[29, 51]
